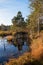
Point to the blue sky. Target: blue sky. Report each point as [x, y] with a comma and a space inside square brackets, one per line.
[9, 9]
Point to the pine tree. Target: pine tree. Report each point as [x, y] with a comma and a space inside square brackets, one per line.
[18, 22]
[36, 6]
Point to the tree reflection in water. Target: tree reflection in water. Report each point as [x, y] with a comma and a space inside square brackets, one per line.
[22, 38]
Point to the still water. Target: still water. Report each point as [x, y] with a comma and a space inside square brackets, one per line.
[8, 50]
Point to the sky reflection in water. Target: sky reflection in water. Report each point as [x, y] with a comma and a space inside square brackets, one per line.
[10, 49]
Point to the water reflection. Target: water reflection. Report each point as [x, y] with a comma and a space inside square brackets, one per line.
[9, 50]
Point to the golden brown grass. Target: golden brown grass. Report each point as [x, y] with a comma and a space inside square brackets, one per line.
[9, 38]
[35, 54]
[37, 48]
[19, 61]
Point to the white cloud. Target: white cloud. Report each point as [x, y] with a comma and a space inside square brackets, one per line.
[5, 17]
[1, 1]
[9, 8]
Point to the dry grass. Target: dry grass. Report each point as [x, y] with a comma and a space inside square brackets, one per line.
[9, 38]
[19, 61]
[37, 48]
[35, 54]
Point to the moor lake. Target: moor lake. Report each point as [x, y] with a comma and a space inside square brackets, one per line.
[8, 50]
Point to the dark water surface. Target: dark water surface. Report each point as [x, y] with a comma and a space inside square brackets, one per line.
[8, 50]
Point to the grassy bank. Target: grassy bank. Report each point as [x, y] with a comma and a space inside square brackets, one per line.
[35, 57]
[4, 33]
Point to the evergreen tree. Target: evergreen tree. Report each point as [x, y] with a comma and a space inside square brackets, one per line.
[18, 22]
[33, 19]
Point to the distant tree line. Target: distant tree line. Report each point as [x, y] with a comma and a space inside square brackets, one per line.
[4, 27]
